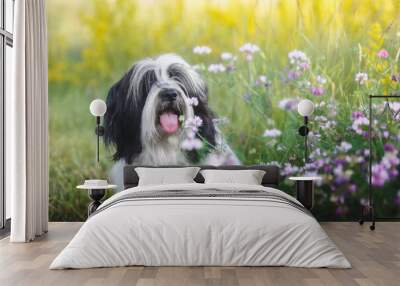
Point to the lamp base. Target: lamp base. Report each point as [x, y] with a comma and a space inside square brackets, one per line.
[95, 195]
[304, 130]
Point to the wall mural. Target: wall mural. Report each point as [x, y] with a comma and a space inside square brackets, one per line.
[218, 82]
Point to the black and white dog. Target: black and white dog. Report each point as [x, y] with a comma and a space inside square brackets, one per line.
[158, 114]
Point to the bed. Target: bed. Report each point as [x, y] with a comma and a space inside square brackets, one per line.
[198, 224]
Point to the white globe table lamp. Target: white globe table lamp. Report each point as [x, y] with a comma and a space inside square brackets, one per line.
[305, 107]
[98, 107]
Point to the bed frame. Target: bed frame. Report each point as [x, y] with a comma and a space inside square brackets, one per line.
[270, 179]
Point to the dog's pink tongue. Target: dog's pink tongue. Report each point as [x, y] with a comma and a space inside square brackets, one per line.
[169, 122]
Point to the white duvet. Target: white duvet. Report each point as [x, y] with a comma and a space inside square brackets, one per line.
[185, 231]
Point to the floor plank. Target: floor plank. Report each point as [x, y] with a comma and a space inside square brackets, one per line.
[375, 257]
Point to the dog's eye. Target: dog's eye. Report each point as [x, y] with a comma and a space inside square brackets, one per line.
[177, 74]
[148, 80]
[176, 71]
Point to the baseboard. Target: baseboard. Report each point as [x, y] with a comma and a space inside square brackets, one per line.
[382, 219]
[5, 231]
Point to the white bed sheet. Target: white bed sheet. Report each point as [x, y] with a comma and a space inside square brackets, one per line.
[200, 231]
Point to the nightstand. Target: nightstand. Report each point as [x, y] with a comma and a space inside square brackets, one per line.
[305, 190]
[96, 194]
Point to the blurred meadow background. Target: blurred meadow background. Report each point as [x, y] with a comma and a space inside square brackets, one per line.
[258, 58]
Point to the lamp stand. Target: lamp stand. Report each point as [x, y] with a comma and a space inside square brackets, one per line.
[99, 132]
[303, 131]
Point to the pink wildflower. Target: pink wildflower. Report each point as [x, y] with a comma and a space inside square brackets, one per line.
[317, 90]
[383, 54]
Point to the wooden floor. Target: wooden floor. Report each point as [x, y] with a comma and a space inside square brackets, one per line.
[375, 257]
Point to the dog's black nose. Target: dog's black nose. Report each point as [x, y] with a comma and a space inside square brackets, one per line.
[168, 94]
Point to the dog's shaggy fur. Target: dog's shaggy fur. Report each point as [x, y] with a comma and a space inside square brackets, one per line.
[135, 103]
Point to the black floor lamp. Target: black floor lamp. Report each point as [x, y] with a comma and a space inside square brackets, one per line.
[369, 210]
[98, 108]
[305, 109]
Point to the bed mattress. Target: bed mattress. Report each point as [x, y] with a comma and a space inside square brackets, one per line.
[201, 225]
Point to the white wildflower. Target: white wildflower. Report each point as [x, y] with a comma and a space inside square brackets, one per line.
[216, 68]
[226, 56]
[344, 146]
[321, 80]
[249, 48]
[272, 133]
[202, 50]
[191, 144]
[193, 123]
[193, 101]
[361, 77]
[297, 57]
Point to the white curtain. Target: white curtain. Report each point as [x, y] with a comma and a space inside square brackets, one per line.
[27, 124]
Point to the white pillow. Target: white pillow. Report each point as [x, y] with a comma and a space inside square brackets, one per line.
[165, 176]
[248, 177]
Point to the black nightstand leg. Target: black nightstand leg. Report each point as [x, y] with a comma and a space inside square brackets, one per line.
[305, 193]
[368, 214]
[95, 195]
